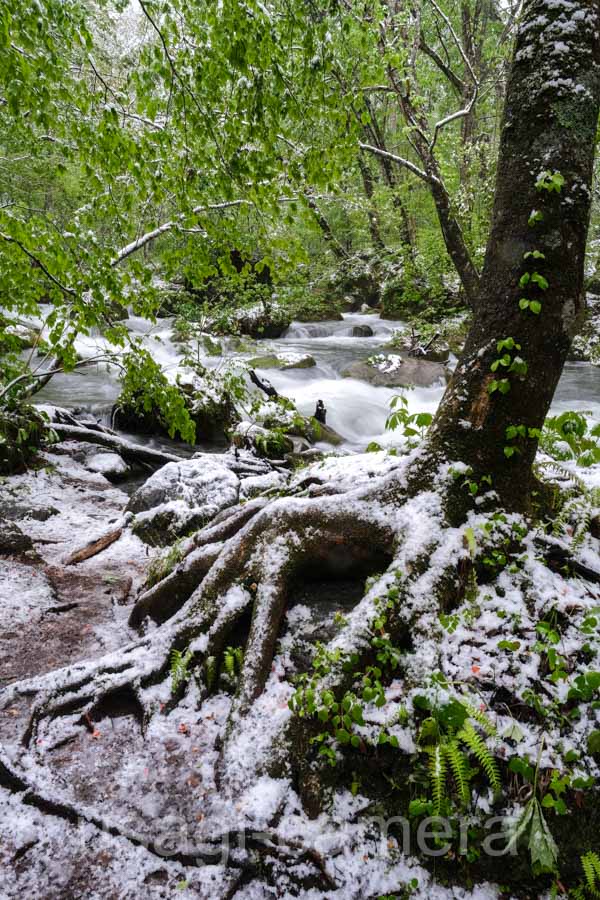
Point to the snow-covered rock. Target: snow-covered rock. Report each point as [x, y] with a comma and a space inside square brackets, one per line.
[180, 497]
[393, 370]
[289, 360]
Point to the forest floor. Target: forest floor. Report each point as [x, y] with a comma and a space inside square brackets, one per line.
[158, 781]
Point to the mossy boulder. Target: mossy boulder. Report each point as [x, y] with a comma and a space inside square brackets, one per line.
[393, 370]
[282, 361]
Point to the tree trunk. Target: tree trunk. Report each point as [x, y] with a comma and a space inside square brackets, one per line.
[549, 126]
[367, 180]
[323, 223]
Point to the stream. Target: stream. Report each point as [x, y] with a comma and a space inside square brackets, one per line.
[355, 409]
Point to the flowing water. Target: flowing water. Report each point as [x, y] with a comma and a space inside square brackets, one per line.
[355, 409]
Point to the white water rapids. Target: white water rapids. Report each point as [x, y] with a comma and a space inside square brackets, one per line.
[355, 409]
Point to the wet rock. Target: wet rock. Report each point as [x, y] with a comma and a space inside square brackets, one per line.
[319, 431]
[262, 320]
[111, 465]
[12, 539]
[15, 510]
[438, 352]
[264, 441]
[101, 462]
[180, 498]
[282, 361]
[396, 371]
[362, 331]
[209, 405]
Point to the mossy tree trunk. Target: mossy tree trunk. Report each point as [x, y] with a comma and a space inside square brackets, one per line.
[532, 283]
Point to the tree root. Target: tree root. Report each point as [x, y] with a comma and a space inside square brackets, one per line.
[248, 560]
[263, 842]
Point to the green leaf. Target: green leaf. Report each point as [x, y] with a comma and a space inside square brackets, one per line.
[593, 742]
[541, 282]
[536, 307]
[542, 847]
[524, 303]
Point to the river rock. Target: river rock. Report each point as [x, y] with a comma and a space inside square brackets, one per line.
[438, 352]
[396, 371]
[95, 459]
[362, 331]
[12, 539]
[262, 320]
[181, 497]
[282, 361]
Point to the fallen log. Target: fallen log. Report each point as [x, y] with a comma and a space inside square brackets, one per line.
[129, 451]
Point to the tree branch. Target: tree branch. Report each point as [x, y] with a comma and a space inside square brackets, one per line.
[38, 263]
[420, 173]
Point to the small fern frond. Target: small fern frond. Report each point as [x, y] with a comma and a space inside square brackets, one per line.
[229, 662]
[590, 862]
[437, 776]
[179, 668]
[480, 717]
[460, 769]
[478, 748]
[210, 672]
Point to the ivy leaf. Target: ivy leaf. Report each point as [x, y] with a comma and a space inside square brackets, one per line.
[535, 216]
[541, 282]
[593, 742]
[514, 733]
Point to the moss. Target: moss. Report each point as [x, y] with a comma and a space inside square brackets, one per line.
[23, 431]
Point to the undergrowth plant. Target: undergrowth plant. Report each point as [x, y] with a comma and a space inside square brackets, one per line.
[590, 888]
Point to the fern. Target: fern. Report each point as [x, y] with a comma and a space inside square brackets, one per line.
[460, 769]
[210, 672]
[579, 505]
[180, 668]
[232, 661]
[477, 746]
[591, 866]
[480, 717]
[437, 775]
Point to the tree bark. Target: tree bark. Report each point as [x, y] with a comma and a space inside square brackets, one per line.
[549, 125]
[374, 230]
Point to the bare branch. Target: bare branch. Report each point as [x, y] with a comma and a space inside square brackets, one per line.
[430, 179]
[144, 239]
[452, 77]
[456, 40]
[459, 114]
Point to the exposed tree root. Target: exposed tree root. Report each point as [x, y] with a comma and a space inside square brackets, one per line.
[251, 842]
[247, 561]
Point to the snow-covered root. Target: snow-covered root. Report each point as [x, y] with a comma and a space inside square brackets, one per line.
[251, 569]
[428, 571]
[199, 552]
